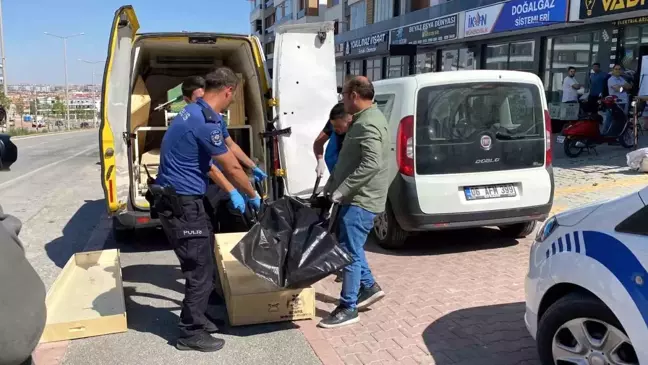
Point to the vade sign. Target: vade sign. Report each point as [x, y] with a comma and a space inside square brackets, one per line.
[594, 8]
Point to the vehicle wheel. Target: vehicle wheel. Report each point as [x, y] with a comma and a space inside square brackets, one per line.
[627, 139]
[387, 231]
[518, 230]
[580, 329]
[570, 148]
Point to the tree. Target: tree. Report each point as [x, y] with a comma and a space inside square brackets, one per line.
[5, 102]
[20, 108]
[58, 108]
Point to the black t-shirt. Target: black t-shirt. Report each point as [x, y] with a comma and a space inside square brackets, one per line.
[328, 129]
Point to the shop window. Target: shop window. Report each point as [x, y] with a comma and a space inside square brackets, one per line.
[398, 67]
[358, 15]
[374, 69]
[269, 48]
[450, 60]
[339, 74]
[466, 59]
[355, 68]
[517, 56]
[426, 62]
[575, 50]
[383, 10]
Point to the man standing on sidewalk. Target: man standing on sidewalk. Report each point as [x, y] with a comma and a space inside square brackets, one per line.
[359, 185]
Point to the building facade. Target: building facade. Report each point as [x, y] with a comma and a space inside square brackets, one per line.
[265, 15]
[394, 38]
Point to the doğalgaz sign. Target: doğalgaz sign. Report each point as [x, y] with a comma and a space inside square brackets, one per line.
[596, 8]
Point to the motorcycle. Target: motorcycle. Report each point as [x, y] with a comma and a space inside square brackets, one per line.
[585, 134]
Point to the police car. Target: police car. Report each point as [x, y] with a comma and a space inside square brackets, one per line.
[587, 286]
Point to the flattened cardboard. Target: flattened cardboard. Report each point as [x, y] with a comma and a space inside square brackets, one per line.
[251, 299]
[87, 298]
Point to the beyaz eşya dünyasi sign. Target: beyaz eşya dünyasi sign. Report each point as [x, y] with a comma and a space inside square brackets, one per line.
[514, 15]
[430, 31]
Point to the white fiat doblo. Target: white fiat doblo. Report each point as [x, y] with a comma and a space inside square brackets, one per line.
[471, 149]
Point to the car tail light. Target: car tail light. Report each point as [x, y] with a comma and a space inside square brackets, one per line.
[405, 146]
[548, 153]
[143, 220]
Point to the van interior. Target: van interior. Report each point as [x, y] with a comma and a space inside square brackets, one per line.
[161, 64]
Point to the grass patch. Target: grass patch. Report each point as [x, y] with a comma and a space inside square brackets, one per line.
[24, 131]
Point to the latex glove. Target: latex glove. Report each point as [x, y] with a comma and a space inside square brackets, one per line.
[321, 167]
[259, 175]
[256, 202]
[237, 201]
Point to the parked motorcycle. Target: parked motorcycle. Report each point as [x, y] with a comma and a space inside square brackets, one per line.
[585, 134]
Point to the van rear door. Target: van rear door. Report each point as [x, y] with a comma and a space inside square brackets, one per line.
[115, 97]
[305, 88]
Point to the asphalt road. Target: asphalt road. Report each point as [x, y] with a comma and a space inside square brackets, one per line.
[54, 189]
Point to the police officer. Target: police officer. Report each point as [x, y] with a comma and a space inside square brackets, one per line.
[194, 138]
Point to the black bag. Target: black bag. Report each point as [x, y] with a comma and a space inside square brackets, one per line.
[290, 246]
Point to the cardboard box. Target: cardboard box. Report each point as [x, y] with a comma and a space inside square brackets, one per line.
[87, 298]
[251, 299]
[236, 115]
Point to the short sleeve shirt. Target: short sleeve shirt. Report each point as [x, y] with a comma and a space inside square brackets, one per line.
[569, 93]
[617, 81]
[187, 149]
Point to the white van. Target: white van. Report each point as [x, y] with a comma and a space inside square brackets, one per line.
[471, 149]
[142, 68]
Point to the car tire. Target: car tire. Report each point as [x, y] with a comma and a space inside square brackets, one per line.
[387, 232]
[572, 307]
[518, 230]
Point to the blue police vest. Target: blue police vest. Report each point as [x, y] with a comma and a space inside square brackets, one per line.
[331, 154]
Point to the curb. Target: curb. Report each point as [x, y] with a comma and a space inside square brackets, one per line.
[40, 134]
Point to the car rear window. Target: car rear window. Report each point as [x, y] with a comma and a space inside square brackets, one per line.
[453, 120]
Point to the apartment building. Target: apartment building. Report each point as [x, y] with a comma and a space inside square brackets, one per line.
[265, 15]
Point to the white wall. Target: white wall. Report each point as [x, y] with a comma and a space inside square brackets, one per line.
[574, 9]
[334, 13]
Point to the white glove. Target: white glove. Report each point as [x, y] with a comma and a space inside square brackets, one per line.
[321, 167]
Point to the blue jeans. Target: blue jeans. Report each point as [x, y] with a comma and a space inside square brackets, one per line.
[355, 225]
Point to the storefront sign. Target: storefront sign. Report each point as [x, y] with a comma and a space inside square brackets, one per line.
[595, 8]
[514, 15]
[366, 46]
[435, 30]
[631, 21]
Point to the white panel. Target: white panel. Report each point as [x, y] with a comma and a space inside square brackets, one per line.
[305, 86]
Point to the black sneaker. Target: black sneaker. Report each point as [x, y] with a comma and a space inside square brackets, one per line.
[369, 296]
[340, 317]
[202, 342]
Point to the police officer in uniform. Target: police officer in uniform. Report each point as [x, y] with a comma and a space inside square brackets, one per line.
[194, 138]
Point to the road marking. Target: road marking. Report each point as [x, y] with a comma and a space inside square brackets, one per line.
[22, 138]
[23, 176]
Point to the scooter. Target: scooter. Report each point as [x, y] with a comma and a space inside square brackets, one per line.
[586, 134]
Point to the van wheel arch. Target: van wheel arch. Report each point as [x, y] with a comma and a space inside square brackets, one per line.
[387, 231]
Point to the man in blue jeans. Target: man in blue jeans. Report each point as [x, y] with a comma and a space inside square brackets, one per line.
[359, 185]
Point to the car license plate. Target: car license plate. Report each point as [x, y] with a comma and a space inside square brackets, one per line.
[490, 192]
[560, 139]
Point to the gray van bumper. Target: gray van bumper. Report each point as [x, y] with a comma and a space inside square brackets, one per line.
[404, 203]
[130, 219]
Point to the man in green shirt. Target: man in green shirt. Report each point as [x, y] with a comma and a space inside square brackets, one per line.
[359, 185]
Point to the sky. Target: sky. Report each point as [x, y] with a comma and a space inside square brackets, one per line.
[33, 57]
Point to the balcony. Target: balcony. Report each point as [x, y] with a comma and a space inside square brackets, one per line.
[256, 12]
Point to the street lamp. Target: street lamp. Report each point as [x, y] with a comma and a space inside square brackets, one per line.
[94, 91]
[67, 100]
[4, 59]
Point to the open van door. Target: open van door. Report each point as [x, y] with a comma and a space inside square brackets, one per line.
[115, 98]
[305, 89]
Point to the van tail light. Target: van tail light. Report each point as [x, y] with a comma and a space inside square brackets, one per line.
[405, 146]
[548, 152]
